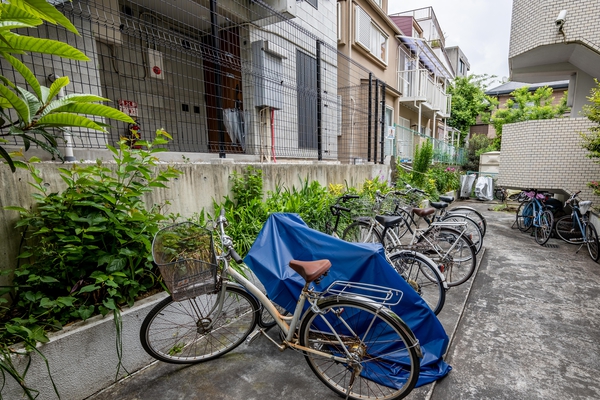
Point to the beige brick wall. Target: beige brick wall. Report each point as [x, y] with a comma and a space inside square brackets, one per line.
[547, 154]
[533, 24]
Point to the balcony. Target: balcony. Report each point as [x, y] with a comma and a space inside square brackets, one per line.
[416, 85]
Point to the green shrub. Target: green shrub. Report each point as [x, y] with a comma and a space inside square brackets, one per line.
[88, 248]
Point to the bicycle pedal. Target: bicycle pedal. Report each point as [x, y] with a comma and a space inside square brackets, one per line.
[252, 337]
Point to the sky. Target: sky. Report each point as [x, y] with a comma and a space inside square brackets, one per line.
[481, 28]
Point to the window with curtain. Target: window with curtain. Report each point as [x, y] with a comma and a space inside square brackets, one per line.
[370, 36]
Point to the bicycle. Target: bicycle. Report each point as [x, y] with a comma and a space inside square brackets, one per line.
[436, 213]
[533, 213]
[348, 340]
[576, 228]
[450, 249]
[420, 272]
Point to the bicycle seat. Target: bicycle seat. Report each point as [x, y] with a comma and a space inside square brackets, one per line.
[447, 199]
[311, 270]
[389, 221]
[422, 212]
[438, 204]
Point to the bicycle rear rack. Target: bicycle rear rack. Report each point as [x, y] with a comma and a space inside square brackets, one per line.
[385, 296]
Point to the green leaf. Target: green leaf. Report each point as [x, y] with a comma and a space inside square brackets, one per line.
[15, 208]
[15, 13]
[65, 119]
[116, 264]
[47, 303]
[96, 109]
[19, 105]
[66, 301]
[48, 279]
[38, 334]
[46, 11]
[110, 304]
[85, 312]
[20, 44]
[4, 154]
[88, 288]
[25, 72]
[58, 84]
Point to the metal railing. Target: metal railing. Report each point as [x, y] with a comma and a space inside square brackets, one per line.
[406, 140]
[417, 85]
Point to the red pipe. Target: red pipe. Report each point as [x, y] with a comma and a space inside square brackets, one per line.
[273, 134]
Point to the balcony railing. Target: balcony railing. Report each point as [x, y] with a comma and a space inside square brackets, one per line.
[417, 85]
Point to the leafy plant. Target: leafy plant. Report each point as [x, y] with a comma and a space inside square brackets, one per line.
[422, 162]
[33, 115]
[525, 106]
[88, 248]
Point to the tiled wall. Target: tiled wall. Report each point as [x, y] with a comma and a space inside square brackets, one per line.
[547, 154]
[533, 24]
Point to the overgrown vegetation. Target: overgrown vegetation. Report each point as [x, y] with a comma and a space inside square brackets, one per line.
[470, 102]
[86, 249]
[478, 144]
[526, 105]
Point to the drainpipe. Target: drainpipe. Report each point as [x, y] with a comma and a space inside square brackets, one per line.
[376, 124]
[216, 44]
[66, 134]
[319, 103]
[369, 117]
[382, 122]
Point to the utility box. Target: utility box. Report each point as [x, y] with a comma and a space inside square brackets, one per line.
[489, 162]
[267, 59]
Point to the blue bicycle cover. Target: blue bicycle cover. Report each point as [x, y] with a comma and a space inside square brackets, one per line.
[285, 237]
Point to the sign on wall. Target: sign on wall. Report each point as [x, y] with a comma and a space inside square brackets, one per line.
[128, 107]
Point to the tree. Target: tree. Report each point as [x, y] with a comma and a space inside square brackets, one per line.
[469, 101]
[526, 105]
[591, 140]
[35, 115]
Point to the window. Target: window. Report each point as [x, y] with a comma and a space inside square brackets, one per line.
[461, 67]
[313, 3]
[339, 21]
[370, 36]
[306, 78]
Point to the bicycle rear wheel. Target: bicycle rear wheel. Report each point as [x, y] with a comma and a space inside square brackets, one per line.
[422, 275]
[525, 216]
[452, 251]
[568, 230]
[592, 241]
[192, 330]
[543, 231]
[361, 232]
[384, 356]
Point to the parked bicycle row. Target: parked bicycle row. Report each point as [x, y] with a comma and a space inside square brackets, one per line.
[432, 248]
[351, 331]
[546, 217]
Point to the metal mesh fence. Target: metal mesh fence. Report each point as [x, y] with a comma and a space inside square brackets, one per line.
[224, 77]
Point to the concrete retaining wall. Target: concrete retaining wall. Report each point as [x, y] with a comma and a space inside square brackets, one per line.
[83, 357]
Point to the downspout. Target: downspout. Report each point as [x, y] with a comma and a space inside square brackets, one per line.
[319, 104]
[376, 124]
[68, 137]
[369, 117]
[216, 44]
[382, 122]
[273, 135]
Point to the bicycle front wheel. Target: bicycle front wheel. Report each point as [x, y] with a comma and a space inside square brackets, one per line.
[193, 330]
[362, 232]
[470, 227]
[592, 241]
[568, 230]
[380, 357]
[422, 275]
[473, 214]
[543, 231]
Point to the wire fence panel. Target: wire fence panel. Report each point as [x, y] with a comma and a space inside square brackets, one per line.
[226, 77]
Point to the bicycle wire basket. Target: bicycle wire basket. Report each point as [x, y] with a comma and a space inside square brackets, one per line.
[185, 256]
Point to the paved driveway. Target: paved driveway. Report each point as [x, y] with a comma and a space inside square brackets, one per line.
[527, 326]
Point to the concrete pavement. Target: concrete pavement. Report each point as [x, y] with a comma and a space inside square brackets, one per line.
[526, 326]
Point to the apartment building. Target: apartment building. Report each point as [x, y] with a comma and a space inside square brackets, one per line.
[552, 41]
